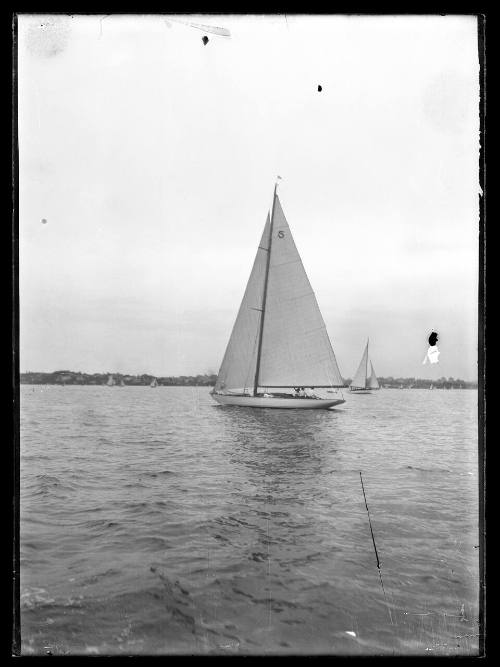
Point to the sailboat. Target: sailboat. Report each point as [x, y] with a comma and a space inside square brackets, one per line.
[122, 383]
[110, 381]
[362, 383]
[279, 354]
[154, 383]
[432, 386]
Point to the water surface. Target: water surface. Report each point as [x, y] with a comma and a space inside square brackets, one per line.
[155, 521]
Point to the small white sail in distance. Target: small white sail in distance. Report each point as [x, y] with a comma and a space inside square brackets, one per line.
[295, 349]
[359, 379]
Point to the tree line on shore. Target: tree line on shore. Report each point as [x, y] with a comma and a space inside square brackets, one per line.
[78, 378]
[420, 383]
[208, 380]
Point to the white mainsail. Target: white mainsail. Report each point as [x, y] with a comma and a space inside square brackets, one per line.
[359, 380]
[294, 346]
[372, 380]
[110, 381]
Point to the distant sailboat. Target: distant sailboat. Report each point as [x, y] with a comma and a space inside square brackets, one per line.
[279, 348]
[110, 381]
[432, 386]
[362, 382]
[154, 383]
[122, 383]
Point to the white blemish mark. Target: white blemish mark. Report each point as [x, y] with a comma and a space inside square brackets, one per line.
[350, 633]
[223, 32]
[92, 649]
[432, 355]
[100, 24]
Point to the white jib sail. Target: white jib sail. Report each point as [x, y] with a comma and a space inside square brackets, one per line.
[296, 349]
[237, 371]
[359, 380]
[372, 380]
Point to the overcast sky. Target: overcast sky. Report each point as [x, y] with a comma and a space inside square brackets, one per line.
[152, 157]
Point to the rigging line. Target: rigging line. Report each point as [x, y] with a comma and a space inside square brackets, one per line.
[309, 331]
[289, 261]
[375, 547]
[300, 296]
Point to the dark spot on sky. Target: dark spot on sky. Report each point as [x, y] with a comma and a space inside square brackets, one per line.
[320, 88]
[204, 39]
[433, 338]
[44, 222]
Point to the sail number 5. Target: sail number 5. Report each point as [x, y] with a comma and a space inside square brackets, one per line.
[281, 234]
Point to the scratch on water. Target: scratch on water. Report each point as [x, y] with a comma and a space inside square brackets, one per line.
[268, 575]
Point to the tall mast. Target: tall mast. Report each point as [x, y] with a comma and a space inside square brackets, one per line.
[264, 296]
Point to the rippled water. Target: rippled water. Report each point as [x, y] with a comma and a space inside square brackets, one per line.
[156, 521]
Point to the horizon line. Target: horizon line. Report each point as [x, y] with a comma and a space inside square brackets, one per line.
[383, 377]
